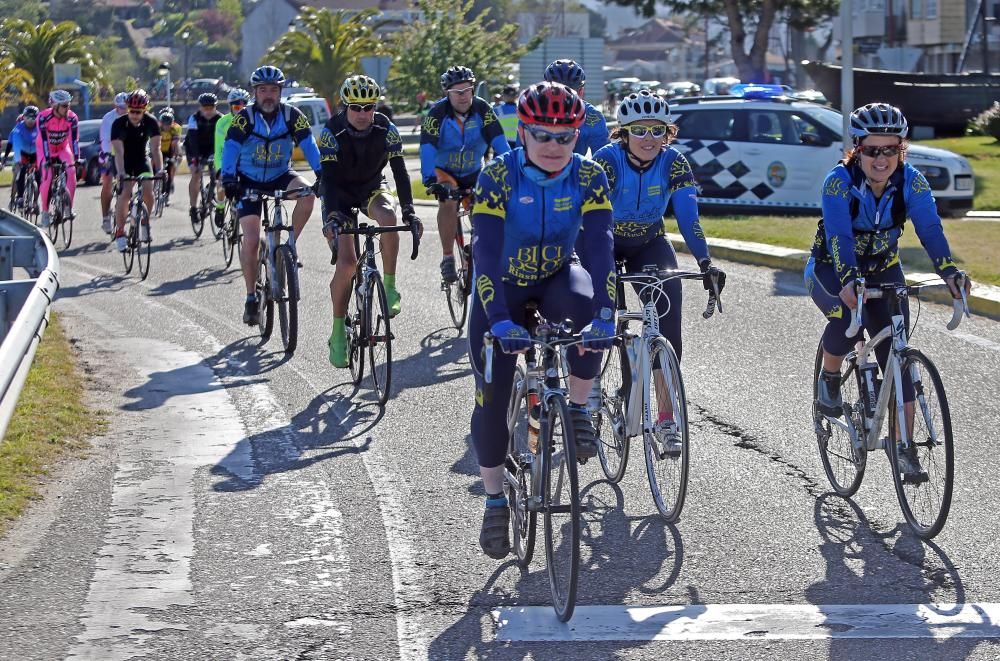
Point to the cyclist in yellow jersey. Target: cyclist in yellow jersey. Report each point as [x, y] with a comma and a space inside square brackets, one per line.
[170, 143]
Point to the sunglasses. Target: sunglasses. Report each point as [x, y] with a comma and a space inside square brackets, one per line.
[542, 136]
[62, 105]
[874, 152]
[462, 92]
[357, 107]
[639, 131]
[136, 112]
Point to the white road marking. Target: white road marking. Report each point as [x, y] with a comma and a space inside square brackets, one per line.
[750, 621]
[976, 340]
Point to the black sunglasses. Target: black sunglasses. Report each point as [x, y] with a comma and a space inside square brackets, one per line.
[873, 152]
[543, 136]
[357, 107]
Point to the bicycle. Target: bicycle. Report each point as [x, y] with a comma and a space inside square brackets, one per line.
[12, 206]
[846, 439]
[457, 293]
[161, 192]
[232, 235]
[277, 267]
[367, 318]
[641, 376]
[540, 471]
[206, 203]
[137, 216]
[60, 209]
[29, 202]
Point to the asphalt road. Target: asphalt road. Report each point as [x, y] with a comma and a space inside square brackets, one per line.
[246, 506]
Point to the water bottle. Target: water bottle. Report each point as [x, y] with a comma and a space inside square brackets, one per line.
[534, 411]
[594, 399]
[869, 387]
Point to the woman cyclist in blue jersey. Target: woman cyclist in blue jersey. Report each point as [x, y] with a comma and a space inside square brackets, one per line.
[530, 206]
[645, 173]
[866, 199]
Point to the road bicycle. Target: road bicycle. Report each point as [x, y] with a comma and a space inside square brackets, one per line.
[641, 382]
[161, 191]
[367, 318]
[540, 468]
[138, 242]
[231, 233]
[60, 209]
[206, 201]
[919, 428]
[457, 293]
[277, 284]
[28, 206]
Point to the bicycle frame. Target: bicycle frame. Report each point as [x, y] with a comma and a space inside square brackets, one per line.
[273, 227]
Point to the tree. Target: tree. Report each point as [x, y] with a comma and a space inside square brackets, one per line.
[36, 48]
[325, 48]
[447, 37]
[14, 83]
[749, 23]
[29, 10]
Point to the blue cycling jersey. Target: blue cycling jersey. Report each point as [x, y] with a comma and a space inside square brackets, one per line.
[593, 132]
[868, 242]
[457, 147]
[639, 198]
[261, 151]
[526, 224]
[22, 139]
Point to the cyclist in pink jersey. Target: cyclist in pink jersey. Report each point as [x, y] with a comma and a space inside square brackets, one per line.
[58, 139]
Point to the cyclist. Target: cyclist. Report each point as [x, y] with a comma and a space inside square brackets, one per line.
[135, 139]
[105, 162]
[530, 206]
[238, 100]
[594, 132]
[170, 147]
[199, 145]
[258, 154]
[645, 173]
[866, 199]
[22, 140]
[453, 139]
[58, 139]
[355, 146]
[506, 112]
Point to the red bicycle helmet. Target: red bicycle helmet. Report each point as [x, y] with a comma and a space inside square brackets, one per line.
[551, 104]
[137, 100]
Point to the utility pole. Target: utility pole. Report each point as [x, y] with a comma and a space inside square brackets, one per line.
[846, 67]
[986, 41]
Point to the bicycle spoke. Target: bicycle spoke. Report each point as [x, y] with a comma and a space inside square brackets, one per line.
[379, 338]
[840, 441]
[561, 503]
[666, 443]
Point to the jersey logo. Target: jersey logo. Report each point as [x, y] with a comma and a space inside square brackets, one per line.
[327, 141]
[593, 118]
[526, 199]
[485, 289]
[588, 171]
[920, 184]
[656, 189]
[562, 203]
[302, 123]
[488, 118]
[240, 122]
[431, 126]
[835, 187]
[392, 138]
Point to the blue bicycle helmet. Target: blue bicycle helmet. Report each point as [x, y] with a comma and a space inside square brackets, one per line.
[267, 75]
[457, 75]
[567, 72]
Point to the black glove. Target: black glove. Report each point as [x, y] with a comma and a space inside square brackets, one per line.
[409, 215]
[317, 187]
[231, 186]
[438, 190]
[711, 272]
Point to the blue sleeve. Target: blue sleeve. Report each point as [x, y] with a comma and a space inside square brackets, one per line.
[192, 125]
[837, 224]
[15, 141]
[428, 154]
[922, 210]
[430, 132]
[492, 194]
[597, 247]
[235, 137]
[393, 141]
[598, 134]
[311, 151]
[328, 146]
[500, 145]
[684, 193]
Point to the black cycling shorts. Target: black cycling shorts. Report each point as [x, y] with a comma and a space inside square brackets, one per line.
[250, 208]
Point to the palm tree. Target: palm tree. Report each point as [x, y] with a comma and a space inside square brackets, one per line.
[37, 48]
[13, 83]
[325, 49]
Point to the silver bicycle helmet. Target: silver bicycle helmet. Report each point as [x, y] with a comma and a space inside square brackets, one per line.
[642, 105]
[878, 119]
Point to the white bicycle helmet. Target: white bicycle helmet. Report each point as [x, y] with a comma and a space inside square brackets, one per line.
[59, 96]
[878, 119]
[238, 95]
[642, 105]
[120, 99]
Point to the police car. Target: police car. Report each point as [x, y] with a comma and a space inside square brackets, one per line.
[766, 151]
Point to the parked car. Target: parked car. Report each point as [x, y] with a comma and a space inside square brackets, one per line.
[316, 110]
[719, 86]
[201, 85]
[682, 88]
[772, 153]
[90, 149]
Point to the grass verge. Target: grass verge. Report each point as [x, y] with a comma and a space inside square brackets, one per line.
[973, 243]
[983, 153]
[50, 421]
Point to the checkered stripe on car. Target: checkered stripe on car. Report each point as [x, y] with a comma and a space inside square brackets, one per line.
[719, 170]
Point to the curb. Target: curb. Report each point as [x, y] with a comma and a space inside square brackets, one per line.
[984, 299]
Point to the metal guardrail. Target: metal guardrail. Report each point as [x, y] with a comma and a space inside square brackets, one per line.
[24, 304]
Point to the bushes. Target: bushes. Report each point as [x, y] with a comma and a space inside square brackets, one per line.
[987, 122]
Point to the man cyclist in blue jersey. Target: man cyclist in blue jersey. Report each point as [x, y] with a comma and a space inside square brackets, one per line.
[199, 144]
[646, 174]
[257, 154]
[594, 131]
[531, 205]
[453, 139]
[22, 141]
[866, 200]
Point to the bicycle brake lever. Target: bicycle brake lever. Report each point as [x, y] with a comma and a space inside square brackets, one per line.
[488, 357]
[416, 240]
[960, 306]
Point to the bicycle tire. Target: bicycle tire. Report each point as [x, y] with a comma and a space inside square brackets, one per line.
[216, 230]
[128, 255]
[524, 522]
[610, 420]
[457, 293]
[379, 337]
[668, 476]
[937, 458]
[198, 220]
[356, 334]
[143, 247]
[55, 217]
[562, 557]
[158, 198]
[843, 462]
[66, 226]
[265, 306]
[229, 234]
[30, 202]
[288, 297]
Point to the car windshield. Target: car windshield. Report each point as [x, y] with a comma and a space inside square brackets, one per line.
[831, 119]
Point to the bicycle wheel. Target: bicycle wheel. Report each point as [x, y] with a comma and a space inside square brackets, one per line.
[55, 217]
[144, 249]
[925, 503]
[198, 220]
[457, 293]
[287, 300]
[356, 332]
[210, 214]
[128, 255]
[30, 200]
[229, 238]
[158, 198]
[66, 226]
[561, 504]
[667, 473]
[609, 422]
[379, 337]
[519, 465]
[844, 459]
[265, 305]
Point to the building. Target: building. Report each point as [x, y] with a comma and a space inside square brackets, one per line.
[659, 49]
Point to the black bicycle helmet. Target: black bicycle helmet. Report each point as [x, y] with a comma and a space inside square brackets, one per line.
[457, 75]
[208, 99]
[567, 72]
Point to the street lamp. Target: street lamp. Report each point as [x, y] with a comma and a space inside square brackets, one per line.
[187, 46]
[164, 70]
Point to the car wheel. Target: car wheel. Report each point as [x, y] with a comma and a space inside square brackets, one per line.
[93, 173]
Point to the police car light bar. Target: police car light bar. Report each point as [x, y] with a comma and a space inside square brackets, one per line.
[757, 91]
